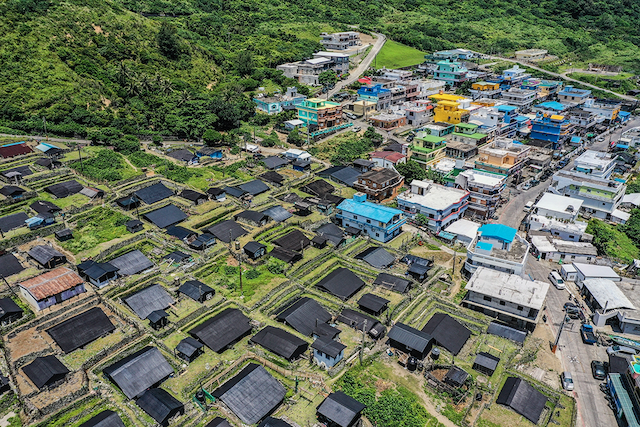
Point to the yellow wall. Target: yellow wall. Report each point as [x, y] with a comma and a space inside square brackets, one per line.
[449, 114]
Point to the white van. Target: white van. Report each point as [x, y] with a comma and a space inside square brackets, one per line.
[528, 207]
[556, 280]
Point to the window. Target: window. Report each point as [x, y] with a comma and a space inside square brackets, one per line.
[355, 216]
[486, 298]
[520, 308]
[368, 221]
[503, 303]
[377, 234]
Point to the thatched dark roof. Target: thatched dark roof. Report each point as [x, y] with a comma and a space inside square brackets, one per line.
[341, 282]
[159, 405]
[166, 216]
[81, 329]
[280, 342]
[137, 372]
[131, 263]
[448, 332]
[154, 193]
[104, 419]
[148, 300]
[340, 409]
[9, 265]
[222, 330]
[45, 370]
[520, 396]
[303, 315]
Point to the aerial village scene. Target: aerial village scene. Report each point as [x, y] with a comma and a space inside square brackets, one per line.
[452, 242]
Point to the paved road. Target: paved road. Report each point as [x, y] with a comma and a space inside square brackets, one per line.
[362, 67]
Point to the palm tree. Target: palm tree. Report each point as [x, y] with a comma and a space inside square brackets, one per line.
[184, 97]
[124, 74]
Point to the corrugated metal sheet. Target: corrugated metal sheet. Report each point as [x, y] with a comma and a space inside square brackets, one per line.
[52, 283]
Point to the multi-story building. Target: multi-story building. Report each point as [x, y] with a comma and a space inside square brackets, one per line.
[428, 87]
[558, 207]
[424, 148]
[521, 98]
[387, 159]
[377, 94]
[377, 221]
[630, 138]
[600, 197]
[607, 109]
[595, 163]
[485, 190]
[584, 119]
[467, 133]
[451, 72]
[507, 297]
[340, 41]
[438, 129]
[574, 96]
[388, 121]
[277, 104]
[307, 72]
[416, 113]
[569, 231]
[515, 75]
[451, 108]
[531, 54]
[340, 61]
[460, 150]
[551, 107]
[497, 247]
[503, 155]
[625, 387]
[550, 128]
[441, 205]
[379, 183]
[319, 113]
[549, 87]
[484, 89]
[399, 75]
[452, 55]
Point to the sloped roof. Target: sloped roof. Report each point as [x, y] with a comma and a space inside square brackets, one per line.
[131, 263]
[280, 342]
[194, 289]
[277, 213]
[340, 408]
[128, 201]
[227, 230]
[137, 372]
[285, 255]
[9, 190]
[52, 283]
[148, 300]
[341, 282]
[177, 256]
[361, 321]
[14, 150]
[9, 222]
[43, 206]
[219, 422]
[377, 257]
[251, 394]
[154, 193]
[22, 170]
[252, 216]
[448, 332]
[104, 419]
[506, 332]
[8, 306]
[159, 404]
[346, 175]
[456, 375]
[95, 270]
[410, 337]
[293, 241]
[318, 188]
[188, 346]
[487, 360]
[184, 155]
[44, 253]
[272, 176]
[192, 195]
[9, 265]
[253, 246]
[222, 330]
[520, 396]
[254, 187]
[91, 192]
[45, 369]
[214, 191]
[372, 302]
[394, 283]
[234, 191]
[156, 315]
[166, 216]
[274, 422]
[180, 232]
[331, 232]
[65, 189]
[303, 315]
[80, 330]
[273, 162]
[328, 346]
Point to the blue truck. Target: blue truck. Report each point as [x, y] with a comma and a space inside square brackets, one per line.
[588, 337]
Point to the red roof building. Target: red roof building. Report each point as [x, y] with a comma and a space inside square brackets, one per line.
[52, 287]
[13, 150]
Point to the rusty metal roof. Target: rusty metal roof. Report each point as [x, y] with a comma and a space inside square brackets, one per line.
[51, 283]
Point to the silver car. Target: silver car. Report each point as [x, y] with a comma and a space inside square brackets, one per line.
[567, 381]
[620, 349]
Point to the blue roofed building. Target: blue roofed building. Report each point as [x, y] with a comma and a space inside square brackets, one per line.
[279, 103]
[452, 73]
[553, 129]
[379, 222]
[552, 107]
[377, 94]
[497, 247]
[572, 95]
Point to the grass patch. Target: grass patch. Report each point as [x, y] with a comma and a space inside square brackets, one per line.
[397, 55]
[101, 225]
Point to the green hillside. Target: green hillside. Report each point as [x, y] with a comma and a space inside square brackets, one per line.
[397, 55]
[111, 68]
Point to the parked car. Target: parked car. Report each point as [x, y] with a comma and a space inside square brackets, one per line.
[567, 381]
[351, 116]
[572, 310]
[526, 186]
[410, 137]
[588, 336]
[556, 280]
[620, 349]
[357, 129]
[528, 206]
[598, 369]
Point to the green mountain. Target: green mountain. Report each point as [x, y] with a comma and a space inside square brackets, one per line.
[114, 67]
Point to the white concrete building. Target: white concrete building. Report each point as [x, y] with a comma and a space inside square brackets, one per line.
[464, 230]
[497, 247]
[570, 231]
[506, 297]
[485, 190]
[550, 249]
[568, 272]
[441, 205]
[558, 207]
[595, 163]
[590, 271]
[521, 98]
[611, 301]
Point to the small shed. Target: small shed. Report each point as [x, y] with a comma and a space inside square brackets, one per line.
[128, 203]
[362, 322]
[196, 290]
[45, 371]
[326, 330]
[293, 241]
[64, 189]
[277, 213]
[327, 353]
[280, 342]
[373, 304]
[273, 177]
[148, 300]
[217, 194]
[507, 332]
[9, 311]
[377, 257]
[43, 206]
[301, 165]
[274, 422]
[47, 256]
[189, 348]
[569, 272]
[98, 274]
[13, 221]
[486, 363]
[64, 235]
[203, 241]
[104, 419]
[52, 287]
[193, 196]
[342, 283]
[11, 191]
[391, 282]
[274, 162]
[134, 226]
[290, 257]
[410, 340]
[319, 241]
[252, 217]
[158, 319]
[160, 405]
[340, 410]
[218, 422]
[255, 250]
[254, 187]
[456, 377]
[523, 398]
[176, 257]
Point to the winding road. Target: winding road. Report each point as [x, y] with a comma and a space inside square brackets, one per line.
[362, 67]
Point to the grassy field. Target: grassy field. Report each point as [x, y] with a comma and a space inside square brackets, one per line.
[397, 55]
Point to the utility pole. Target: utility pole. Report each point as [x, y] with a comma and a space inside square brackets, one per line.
[44, 122]
[80, 155]
[555, 344]
[364, 328]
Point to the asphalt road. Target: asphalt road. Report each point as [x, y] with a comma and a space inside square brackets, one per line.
[362, 67]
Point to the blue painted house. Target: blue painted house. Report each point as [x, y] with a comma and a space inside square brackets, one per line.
[553, 128]
[572, 95]
[279, 103]
[377, 94]
[214, 153]
[379, 222]
[327, 352]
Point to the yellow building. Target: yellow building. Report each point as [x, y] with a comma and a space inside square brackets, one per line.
[450, 112]
[484, 86]
[446, 97]
[485, 102]
[362, 107]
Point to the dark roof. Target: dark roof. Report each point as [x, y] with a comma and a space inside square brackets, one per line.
[104, 419]
[10, 190]
[65, 189]
[188, 346]
[180, 232]
[380, 175]
[227, 230]
[80, 330]
[154, 193]
[7, 151]
[194, 289]
[252, 216]
[44, 370]
[137, 372]
[447, 332]
[45, 161]
[326, 330]
[303, 315]
[219, 422]
[398, 148]
[341, 282]
[301, 163]
[416, 260]
[410, 337]
[203, 240]
[43, 206]
[253, 246]
[176, 256]
[363, 162]
[9, 222]
[487, 361]
[252, 394]
[293, 241]
[618, 364]
[372, 302]
[290, 198]
[63, 233]
[318, 188]
[522, 398]
[166, 216]
[8, 306]
[506, 332]
[340, 408]
[272, 176]
[274, 422]
[95, 270]
[223, 329]
[128, 201]
[131, 263]
[456, 375]
[356, 320]
[214, 191]
[159, 404]
[285, 255]
[280, 342]
[184, 155]
[156, 315]
[346, 175]
[319, 240]
[273, 162]
[192, 195]
[254, 187]
[22, 170]
[328, 346]
[277, 213]
[331, 232]
[148, 300]
[44, 253]
[394, 283]
[9, 265]
[377, 257]
[234, 191]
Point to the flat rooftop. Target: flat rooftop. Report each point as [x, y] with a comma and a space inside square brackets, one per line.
[558, 203]
[435, 196]
[586, 179]
[595, 158]
[484, 178]
[508, 287]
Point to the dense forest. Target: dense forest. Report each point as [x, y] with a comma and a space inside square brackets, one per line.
[110, 68]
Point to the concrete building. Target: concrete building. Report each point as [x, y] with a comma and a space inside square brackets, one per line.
[612, 301]
[521, 98]
[379, 184]
[598, 164]
[468, 133]
[506, 297]
[558, 207]
[515, 75]
[569, 231]
[573, 96]
[387, 159]
[553, 129]
[319, 113]
[464, 230]
[377, 94]
[503, 155]
[417, 113]
[584, 119]
[484, 89]
[451, 54]
[278, 103]
[425, 148]
[378, 222]
[531, 54]
[600, 197]
[388, 121]
[340, 41]
[497, 247]
[451, 72]
[550, 249]
[606, 109]
[441, 205]
[590, 271]
[485, 190]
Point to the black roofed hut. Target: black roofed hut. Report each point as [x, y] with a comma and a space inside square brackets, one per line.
[227, 231]
[223, 330]
[304, 315]
[64, 189]
[148, 300]
[360, 321]
[45, 371]
[97, 273]
[391, 282]
[525, 400]
[196, 290]
[256, 218]
[327, 353]
[342, 283]
[486, 363]
[448, 332]
[9, 311]
[340, 410]
[81, 329]
[193, 196]
[410, 340]
[160, 405]
[47, 256]
[280, 342]
[293, 241]
[9, 265]
[254, 187]
[154, 193]
[285, 255]
[166, 216]
[139, 371]
[255, 250]
[131, 263]
[104, 419]
[373, 304]
[189, 348]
